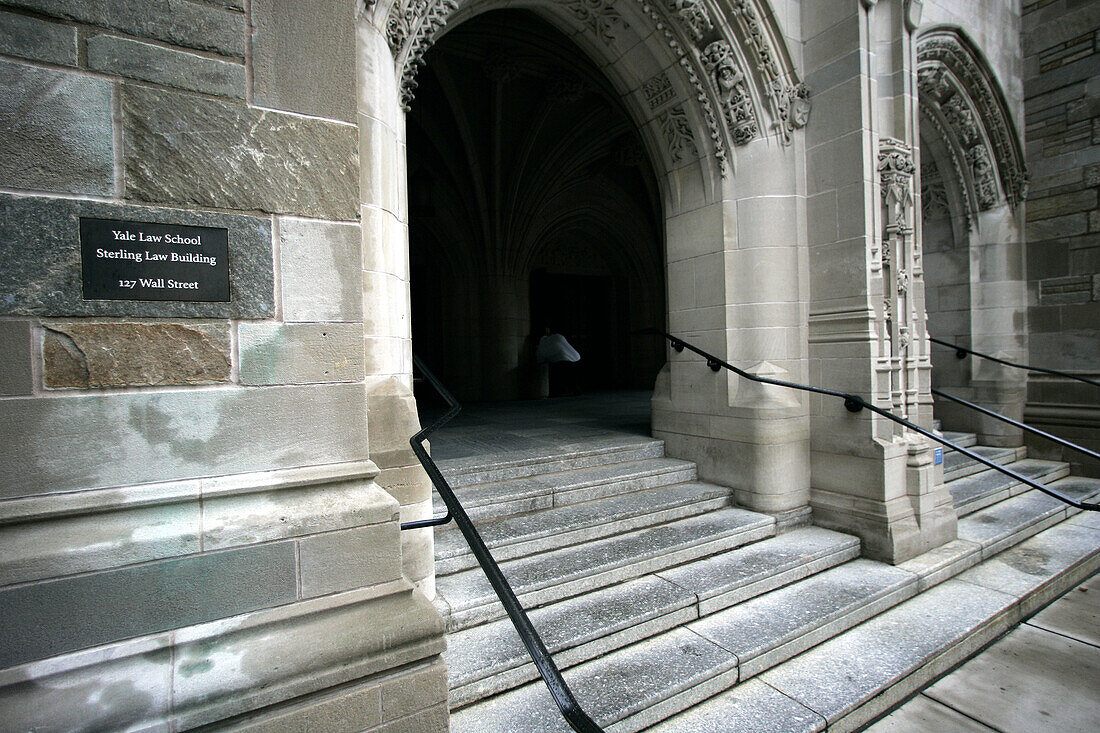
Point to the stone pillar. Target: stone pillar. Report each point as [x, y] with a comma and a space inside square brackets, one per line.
[192, 528]
[386, 299]
[870, 476]
[998, 320]
[737, 289]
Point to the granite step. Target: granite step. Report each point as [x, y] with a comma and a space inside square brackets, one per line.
[964, 439]
[584, 453]
[861, 674]
[776, 626]
[956, 465]
[546, 490]
[490, 658]
[525, 534]
[1009, 522]
[624, 691]
[466, 598]
[986, 488]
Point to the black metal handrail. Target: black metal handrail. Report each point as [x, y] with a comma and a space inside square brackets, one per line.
[1016, 423]
[559, 690]
[855, 403]
[961, 353]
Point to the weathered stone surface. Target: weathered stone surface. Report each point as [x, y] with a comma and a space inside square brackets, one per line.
[644, 682]
[21, 35]
[372, 631]
[186, 150]
[50, 618]
[346, 713]
[490, 658]
[350, 558]
[79, 354]
[303, 56]
[84, 441]
[40, 249]
[57, 131]
[752, 705]
[113, 55]
[320, 267]
[415, 691]
[15, 358]
[183, 23]
[305, 353]
[903, 647]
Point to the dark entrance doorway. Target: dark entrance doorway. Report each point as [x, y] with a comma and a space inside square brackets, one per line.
[532, 202]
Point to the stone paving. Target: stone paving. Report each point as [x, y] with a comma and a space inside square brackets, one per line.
[497, 429]
[1042, 676]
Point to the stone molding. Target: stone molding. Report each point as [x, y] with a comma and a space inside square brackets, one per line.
[688, 27]
[959, 91]
[194, 676]
[53, 506]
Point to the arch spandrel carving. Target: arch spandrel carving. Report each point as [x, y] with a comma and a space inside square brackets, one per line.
[961, 98]
[765, 85]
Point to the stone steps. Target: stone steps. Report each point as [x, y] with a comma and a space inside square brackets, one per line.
[707, 622]
[465, 598]
[857, 676]
[461, 472]
[546, 490]
[979, 490]
[956, 465]
[964, 439]
[490, 658]
[530, 533]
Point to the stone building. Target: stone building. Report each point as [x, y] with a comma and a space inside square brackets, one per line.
[201, 494]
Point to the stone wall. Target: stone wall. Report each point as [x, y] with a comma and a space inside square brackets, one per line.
[190, 524]
[1061, 43]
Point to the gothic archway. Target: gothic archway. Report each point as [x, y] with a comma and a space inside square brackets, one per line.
[717, 104]
[973, 179]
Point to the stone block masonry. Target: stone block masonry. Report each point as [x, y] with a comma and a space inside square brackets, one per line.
[191, 529]
[1061, 44]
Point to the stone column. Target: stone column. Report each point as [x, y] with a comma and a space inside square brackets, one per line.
[387, 342]
[737, 289]
[870, 476]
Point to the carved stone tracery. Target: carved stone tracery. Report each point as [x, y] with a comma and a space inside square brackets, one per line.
[733, 94]
[900, 270]
[678, 135]
[412, 25]
[694, 15]
[954, 80]
[600, 16]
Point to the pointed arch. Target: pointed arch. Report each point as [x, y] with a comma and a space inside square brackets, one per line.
[731, 70]
[963, 102]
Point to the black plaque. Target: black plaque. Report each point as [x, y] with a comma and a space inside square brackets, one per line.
[135, 260]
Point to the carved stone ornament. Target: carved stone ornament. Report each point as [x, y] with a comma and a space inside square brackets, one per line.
[895, 169]
[678, 136]
[658, 91]
[600, 16]
[686, 64]
[961, 119]
[985, 183]
[694, 16]
[932, 82]
[733, 94]
[903, 282]
[946, 49]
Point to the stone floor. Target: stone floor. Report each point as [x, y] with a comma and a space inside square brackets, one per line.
[498, 429]
[1042, 676]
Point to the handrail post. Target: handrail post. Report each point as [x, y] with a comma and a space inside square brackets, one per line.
[563, 697]
[854, 403]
